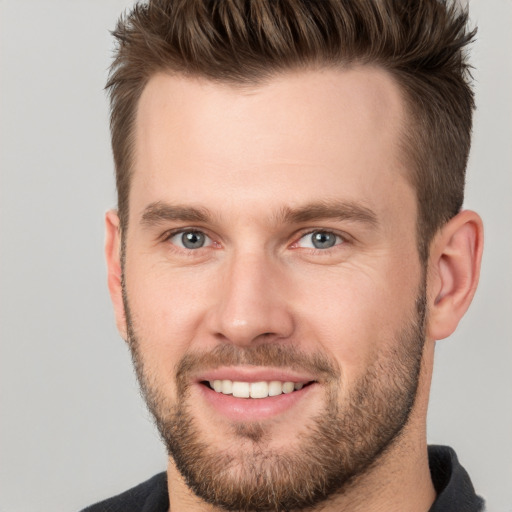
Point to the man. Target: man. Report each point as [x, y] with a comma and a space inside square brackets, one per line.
[288, 246]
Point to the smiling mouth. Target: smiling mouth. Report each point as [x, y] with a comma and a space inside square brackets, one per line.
[262, 389]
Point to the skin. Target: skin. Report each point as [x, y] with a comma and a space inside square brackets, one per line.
[245, 154]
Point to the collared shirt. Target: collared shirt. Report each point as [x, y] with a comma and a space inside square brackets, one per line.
[455, 492]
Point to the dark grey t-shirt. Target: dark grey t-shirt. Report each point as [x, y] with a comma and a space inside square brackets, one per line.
[454, 489]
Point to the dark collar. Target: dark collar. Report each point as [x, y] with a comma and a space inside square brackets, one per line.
[455, 492]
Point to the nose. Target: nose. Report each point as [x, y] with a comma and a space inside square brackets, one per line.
[251, 305]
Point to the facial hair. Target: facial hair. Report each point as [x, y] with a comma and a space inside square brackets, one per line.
[337, 446]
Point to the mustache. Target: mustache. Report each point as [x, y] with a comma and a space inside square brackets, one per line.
[268, 354]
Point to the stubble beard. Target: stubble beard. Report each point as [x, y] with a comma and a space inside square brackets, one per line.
[335, 448]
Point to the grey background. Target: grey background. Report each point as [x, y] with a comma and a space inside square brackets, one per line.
[73, 428]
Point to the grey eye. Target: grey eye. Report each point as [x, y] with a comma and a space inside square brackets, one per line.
[323, 240]
[320, 240]
[190, 239]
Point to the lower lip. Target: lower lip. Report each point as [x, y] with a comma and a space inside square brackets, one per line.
[253, 409]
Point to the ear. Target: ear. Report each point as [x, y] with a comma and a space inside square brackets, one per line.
[454, 269]
[114, 271]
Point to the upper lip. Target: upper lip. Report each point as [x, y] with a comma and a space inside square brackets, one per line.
[254, 374]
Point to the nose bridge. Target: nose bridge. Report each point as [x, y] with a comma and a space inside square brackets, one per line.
[251, 303]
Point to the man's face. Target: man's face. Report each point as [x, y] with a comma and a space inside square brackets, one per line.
[271, 246]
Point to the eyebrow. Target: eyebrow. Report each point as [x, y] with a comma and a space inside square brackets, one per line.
[338, 210]
[159, 212]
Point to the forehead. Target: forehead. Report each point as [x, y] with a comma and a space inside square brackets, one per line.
[336, 132]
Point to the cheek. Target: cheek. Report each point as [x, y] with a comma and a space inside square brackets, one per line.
[166, 309]
[358, 313]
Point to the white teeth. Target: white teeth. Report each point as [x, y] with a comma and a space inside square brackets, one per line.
[227, 387]
[275, 388]
[288, 387]
[241, 389]
[254, 389]
[259, 390]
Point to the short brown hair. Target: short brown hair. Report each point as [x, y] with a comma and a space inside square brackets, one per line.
[421, 43]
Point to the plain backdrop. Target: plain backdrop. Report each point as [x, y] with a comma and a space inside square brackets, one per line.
[73, 427]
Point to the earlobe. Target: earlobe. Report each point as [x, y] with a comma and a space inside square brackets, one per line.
[114, 269]
[454, 269]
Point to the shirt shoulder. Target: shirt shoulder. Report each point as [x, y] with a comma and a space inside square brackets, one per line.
[455, 492]
[149, 496]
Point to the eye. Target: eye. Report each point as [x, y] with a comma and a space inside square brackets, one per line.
[190, 239]
[319, 240]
